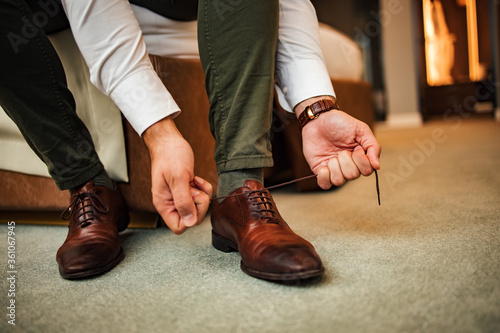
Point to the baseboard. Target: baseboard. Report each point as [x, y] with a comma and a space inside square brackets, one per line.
[141, 220]
[403, 120]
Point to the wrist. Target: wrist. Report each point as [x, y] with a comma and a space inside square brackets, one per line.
[159, 131]
[299, 108]
[313, 109]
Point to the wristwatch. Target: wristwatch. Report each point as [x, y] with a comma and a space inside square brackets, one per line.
[313, 111]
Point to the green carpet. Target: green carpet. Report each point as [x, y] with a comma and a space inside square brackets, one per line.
[426, 260]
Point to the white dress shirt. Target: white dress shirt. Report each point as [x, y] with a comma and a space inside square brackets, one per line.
[300, 68]
[111, 42]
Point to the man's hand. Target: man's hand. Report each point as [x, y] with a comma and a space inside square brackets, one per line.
[339, 147]
[180, 198]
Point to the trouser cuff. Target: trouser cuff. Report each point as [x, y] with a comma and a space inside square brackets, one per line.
[247, 162]
[80, 179]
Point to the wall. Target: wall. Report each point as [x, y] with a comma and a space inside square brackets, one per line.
[358, 20]
[400, 63]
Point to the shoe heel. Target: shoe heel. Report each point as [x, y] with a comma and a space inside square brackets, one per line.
[223, 244]
[123, 223]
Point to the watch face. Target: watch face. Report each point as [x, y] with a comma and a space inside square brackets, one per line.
[310, 113]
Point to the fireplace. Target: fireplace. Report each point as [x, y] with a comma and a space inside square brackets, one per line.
[456, 63]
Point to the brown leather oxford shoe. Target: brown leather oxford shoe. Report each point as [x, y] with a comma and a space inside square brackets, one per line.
[249, 222]
[96, 215]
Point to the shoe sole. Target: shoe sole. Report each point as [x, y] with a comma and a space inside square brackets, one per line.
[285, 277]
[95, 271]
[225, 245]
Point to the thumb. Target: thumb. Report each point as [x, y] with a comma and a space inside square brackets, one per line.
[184, 203]
[373, 154]
[371, 146]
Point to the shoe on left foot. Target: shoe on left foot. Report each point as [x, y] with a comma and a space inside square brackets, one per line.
[248, 222]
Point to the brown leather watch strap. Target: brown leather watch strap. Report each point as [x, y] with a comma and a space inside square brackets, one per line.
[314, 110]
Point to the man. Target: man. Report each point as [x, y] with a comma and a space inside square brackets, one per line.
[239, 77]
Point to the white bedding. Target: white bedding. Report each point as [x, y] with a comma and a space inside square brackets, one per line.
[96, 110]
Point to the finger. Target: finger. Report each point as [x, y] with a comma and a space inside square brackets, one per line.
[349, 169]
[361, 160]
[371, 146]
[203, 185]
[183, 201]
[161, 196]
[202, 202]
[336, 176]
[169, 214]
[373, 154]
[173, 222]
[324, 178]
[171, 218]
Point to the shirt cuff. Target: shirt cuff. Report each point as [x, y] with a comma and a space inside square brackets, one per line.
[144, 100]
[300, 80]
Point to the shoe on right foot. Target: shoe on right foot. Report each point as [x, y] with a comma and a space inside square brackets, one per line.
[96, 215]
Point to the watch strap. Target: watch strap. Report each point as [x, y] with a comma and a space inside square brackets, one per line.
[313, 111]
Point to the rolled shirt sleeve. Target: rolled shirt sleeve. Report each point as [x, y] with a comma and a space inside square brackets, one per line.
[110, 40]
[301, 72]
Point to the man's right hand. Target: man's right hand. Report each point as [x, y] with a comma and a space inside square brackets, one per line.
[181, 199]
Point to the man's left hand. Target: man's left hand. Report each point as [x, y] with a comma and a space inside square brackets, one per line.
[339, 147]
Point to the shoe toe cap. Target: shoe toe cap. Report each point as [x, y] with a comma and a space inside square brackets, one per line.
[297, 259]
[284, 263]
[85, 257]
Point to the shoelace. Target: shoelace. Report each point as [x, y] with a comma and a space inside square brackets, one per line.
[84, 204]
[294, 181]
[261, 198]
